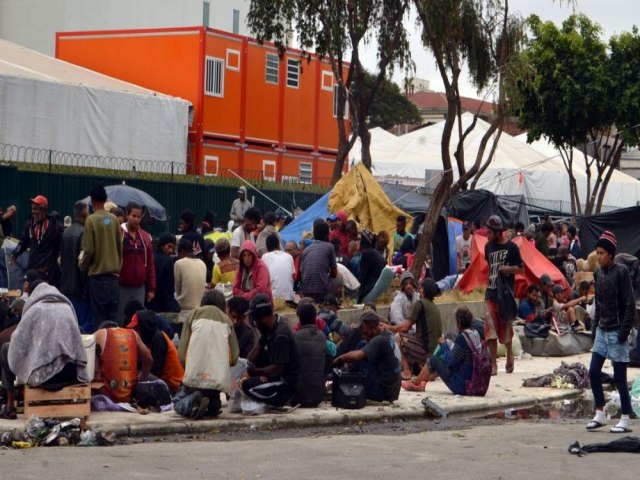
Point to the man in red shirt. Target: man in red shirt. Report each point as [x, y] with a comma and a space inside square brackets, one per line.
[340, 232]
[138, 273]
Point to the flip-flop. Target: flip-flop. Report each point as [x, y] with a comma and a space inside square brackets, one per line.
[617, 429]
[594, 425]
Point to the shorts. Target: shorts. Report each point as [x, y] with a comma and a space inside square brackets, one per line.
[413, 350]
[607, 346]
[494, 327]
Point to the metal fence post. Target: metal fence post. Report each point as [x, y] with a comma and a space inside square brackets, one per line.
[49, 161]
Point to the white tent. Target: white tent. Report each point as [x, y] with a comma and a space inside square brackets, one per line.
[517, 168]
[48, 105]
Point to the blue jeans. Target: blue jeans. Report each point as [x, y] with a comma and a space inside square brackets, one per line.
[103, 292]
[11, 276]
[83, 312]
[183, 401]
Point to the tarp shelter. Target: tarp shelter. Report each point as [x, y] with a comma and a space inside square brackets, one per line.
[49, 105]
[623, 223]
[481, 204]
[409, 201]
[535, 265]
[304, 222]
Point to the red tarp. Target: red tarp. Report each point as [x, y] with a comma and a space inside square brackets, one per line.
[535, 265]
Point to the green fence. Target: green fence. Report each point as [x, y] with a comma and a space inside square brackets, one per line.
[63, 190]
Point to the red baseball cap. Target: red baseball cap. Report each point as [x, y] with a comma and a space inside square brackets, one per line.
[342, 216]
[40, 200]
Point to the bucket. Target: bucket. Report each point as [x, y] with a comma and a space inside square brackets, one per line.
[89, 342]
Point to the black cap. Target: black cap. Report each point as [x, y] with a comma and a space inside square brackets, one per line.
[557, 289]
[545, 280]
[260, 304]
[331, 300]
[585, 285]
[495, 223]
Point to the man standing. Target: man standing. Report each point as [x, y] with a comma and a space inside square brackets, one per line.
[239, 207]
[463, 247]
[42, 237]
[244, 232]
[273, 368]
[269, 229]
[101, 258]
[73, 282]
[138, 273]
[281, 269]
[164, 299]
[503, 257]
[318, 268]
[401, 233]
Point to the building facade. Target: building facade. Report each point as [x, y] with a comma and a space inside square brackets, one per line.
[255, 113]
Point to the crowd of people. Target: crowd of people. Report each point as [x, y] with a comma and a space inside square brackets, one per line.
[199, 314]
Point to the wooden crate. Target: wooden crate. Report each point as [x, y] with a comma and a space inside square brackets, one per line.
[72, 401]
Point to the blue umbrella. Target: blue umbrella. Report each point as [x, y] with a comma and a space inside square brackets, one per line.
[123, 194]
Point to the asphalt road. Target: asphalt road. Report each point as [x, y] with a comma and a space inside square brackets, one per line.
[489, 450]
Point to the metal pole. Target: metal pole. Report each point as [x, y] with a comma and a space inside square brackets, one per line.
[265, 196]
[49, 161]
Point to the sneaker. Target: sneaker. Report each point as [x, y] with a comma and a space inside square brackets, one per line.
[409, 386]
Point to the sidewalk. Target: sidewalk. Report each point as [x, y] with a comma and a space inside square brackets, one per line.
[504, 392]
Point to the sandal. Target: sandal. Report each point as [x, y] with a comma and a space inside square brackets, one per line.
[594, 425]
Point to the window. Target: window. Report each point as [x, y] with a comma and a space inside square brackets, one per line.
[336, 89]
[272, 67]
[269, 170]
[211, 166]
[214, 77]
[236, 21]
[293, 73]
[327, 81]
[306, 172]
[233, 60]
[205, 14]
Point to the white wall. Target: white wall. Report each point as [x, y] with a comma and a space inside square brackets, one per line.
[34, 23]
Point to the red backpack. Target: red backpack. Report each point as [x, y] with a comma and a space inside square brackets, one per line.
[478, 384]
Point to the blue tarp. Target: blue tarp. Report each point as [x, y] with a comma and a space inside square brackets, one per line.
[304, 223]
[455, 229]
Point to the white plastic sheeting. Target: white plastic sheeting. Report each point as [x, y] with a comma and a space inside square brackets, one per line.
[48, 104]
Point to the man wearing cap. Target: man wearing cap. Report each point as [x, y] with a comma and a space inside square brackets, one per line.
[73, 282]
[564, 312]
[340, 232]
[165, 298]
[615, 310]
[463, 247]
[225, 270]
[546, 292]
[404, 299]
[239, 207]
[376, 360]
[274, 367]
[503, 257]
[42, 237]
[329, 313]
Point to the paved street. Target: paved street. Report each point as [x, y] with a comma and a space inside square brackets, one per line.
[493, 450]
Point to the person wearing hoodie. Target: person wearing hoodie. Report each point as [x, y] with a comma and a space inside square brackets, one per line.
[253, 275]
[239, 207]
[166, 362]
[46, 347]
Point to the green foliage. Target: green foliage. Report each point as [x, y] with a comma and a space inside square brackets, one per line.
[389, 107]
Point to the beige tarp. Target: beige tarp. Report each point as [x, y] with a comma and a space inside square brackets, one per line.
[360, 195]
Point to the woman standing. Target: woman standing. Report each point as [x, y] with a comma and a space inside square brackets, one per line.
[614, 316]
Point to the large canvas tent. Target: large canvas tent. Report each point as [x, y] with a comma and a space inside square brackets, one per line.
[479, 205]
[623, 222]
[51, 106]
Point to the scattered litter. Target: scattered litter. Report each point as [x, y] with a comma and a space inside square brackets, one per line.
[51, 432]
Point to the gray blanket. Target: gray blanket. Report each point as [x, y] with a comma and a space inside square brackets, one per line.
[47, 338]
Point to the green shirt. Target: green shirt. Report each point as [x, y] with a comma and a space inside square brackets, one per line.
[101, 245]
[429, 331]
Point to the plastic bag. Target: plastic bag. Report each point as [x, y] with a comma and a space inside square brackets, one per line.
[635, 396]
[253, 407]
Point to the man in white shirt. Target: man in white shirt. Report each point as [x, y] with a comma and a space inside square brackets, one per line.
[463, 247]
[281, 269]
[243, 232]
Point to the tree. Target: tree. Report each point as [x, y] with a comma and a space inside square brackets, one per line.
[482, 36]
[582, 97]
[389, 107]
[335, 29]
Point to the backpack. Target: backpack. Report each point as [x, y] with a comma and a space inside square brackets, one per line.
[478, 384]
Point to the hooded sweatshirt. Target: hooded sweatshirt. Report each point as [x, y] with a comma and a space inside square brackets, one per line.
[47, 338]
[239, 207]
[251, 281]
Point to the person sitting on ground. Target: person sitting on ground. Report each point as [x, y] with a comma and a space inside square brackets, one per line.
[311, 344]
[237, 308]
[134, 306]
[329, 313]
[564, 312]
[208, 350]
[582, 309]
[456, 365]
[529, 308]
[404, 257]
[542, 238]
[225, 270]
[190, 276]
[343, 259]
[318, 268]
[382, 245]
[165, 299]
[340, 232]
[566, 263]
[166, 363]
[253, 275]
[404, 299]
[187, 226]
[274, 368]
[269, 229]
[119, 352]
[244, 232]
[546, 293]
[352, 231]
[207, 258]
[425, 315]
[13, 317]
[281, 269]
[292, 249]
[376, 359]
[354, 257]
[46, 347]
[371, 264]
